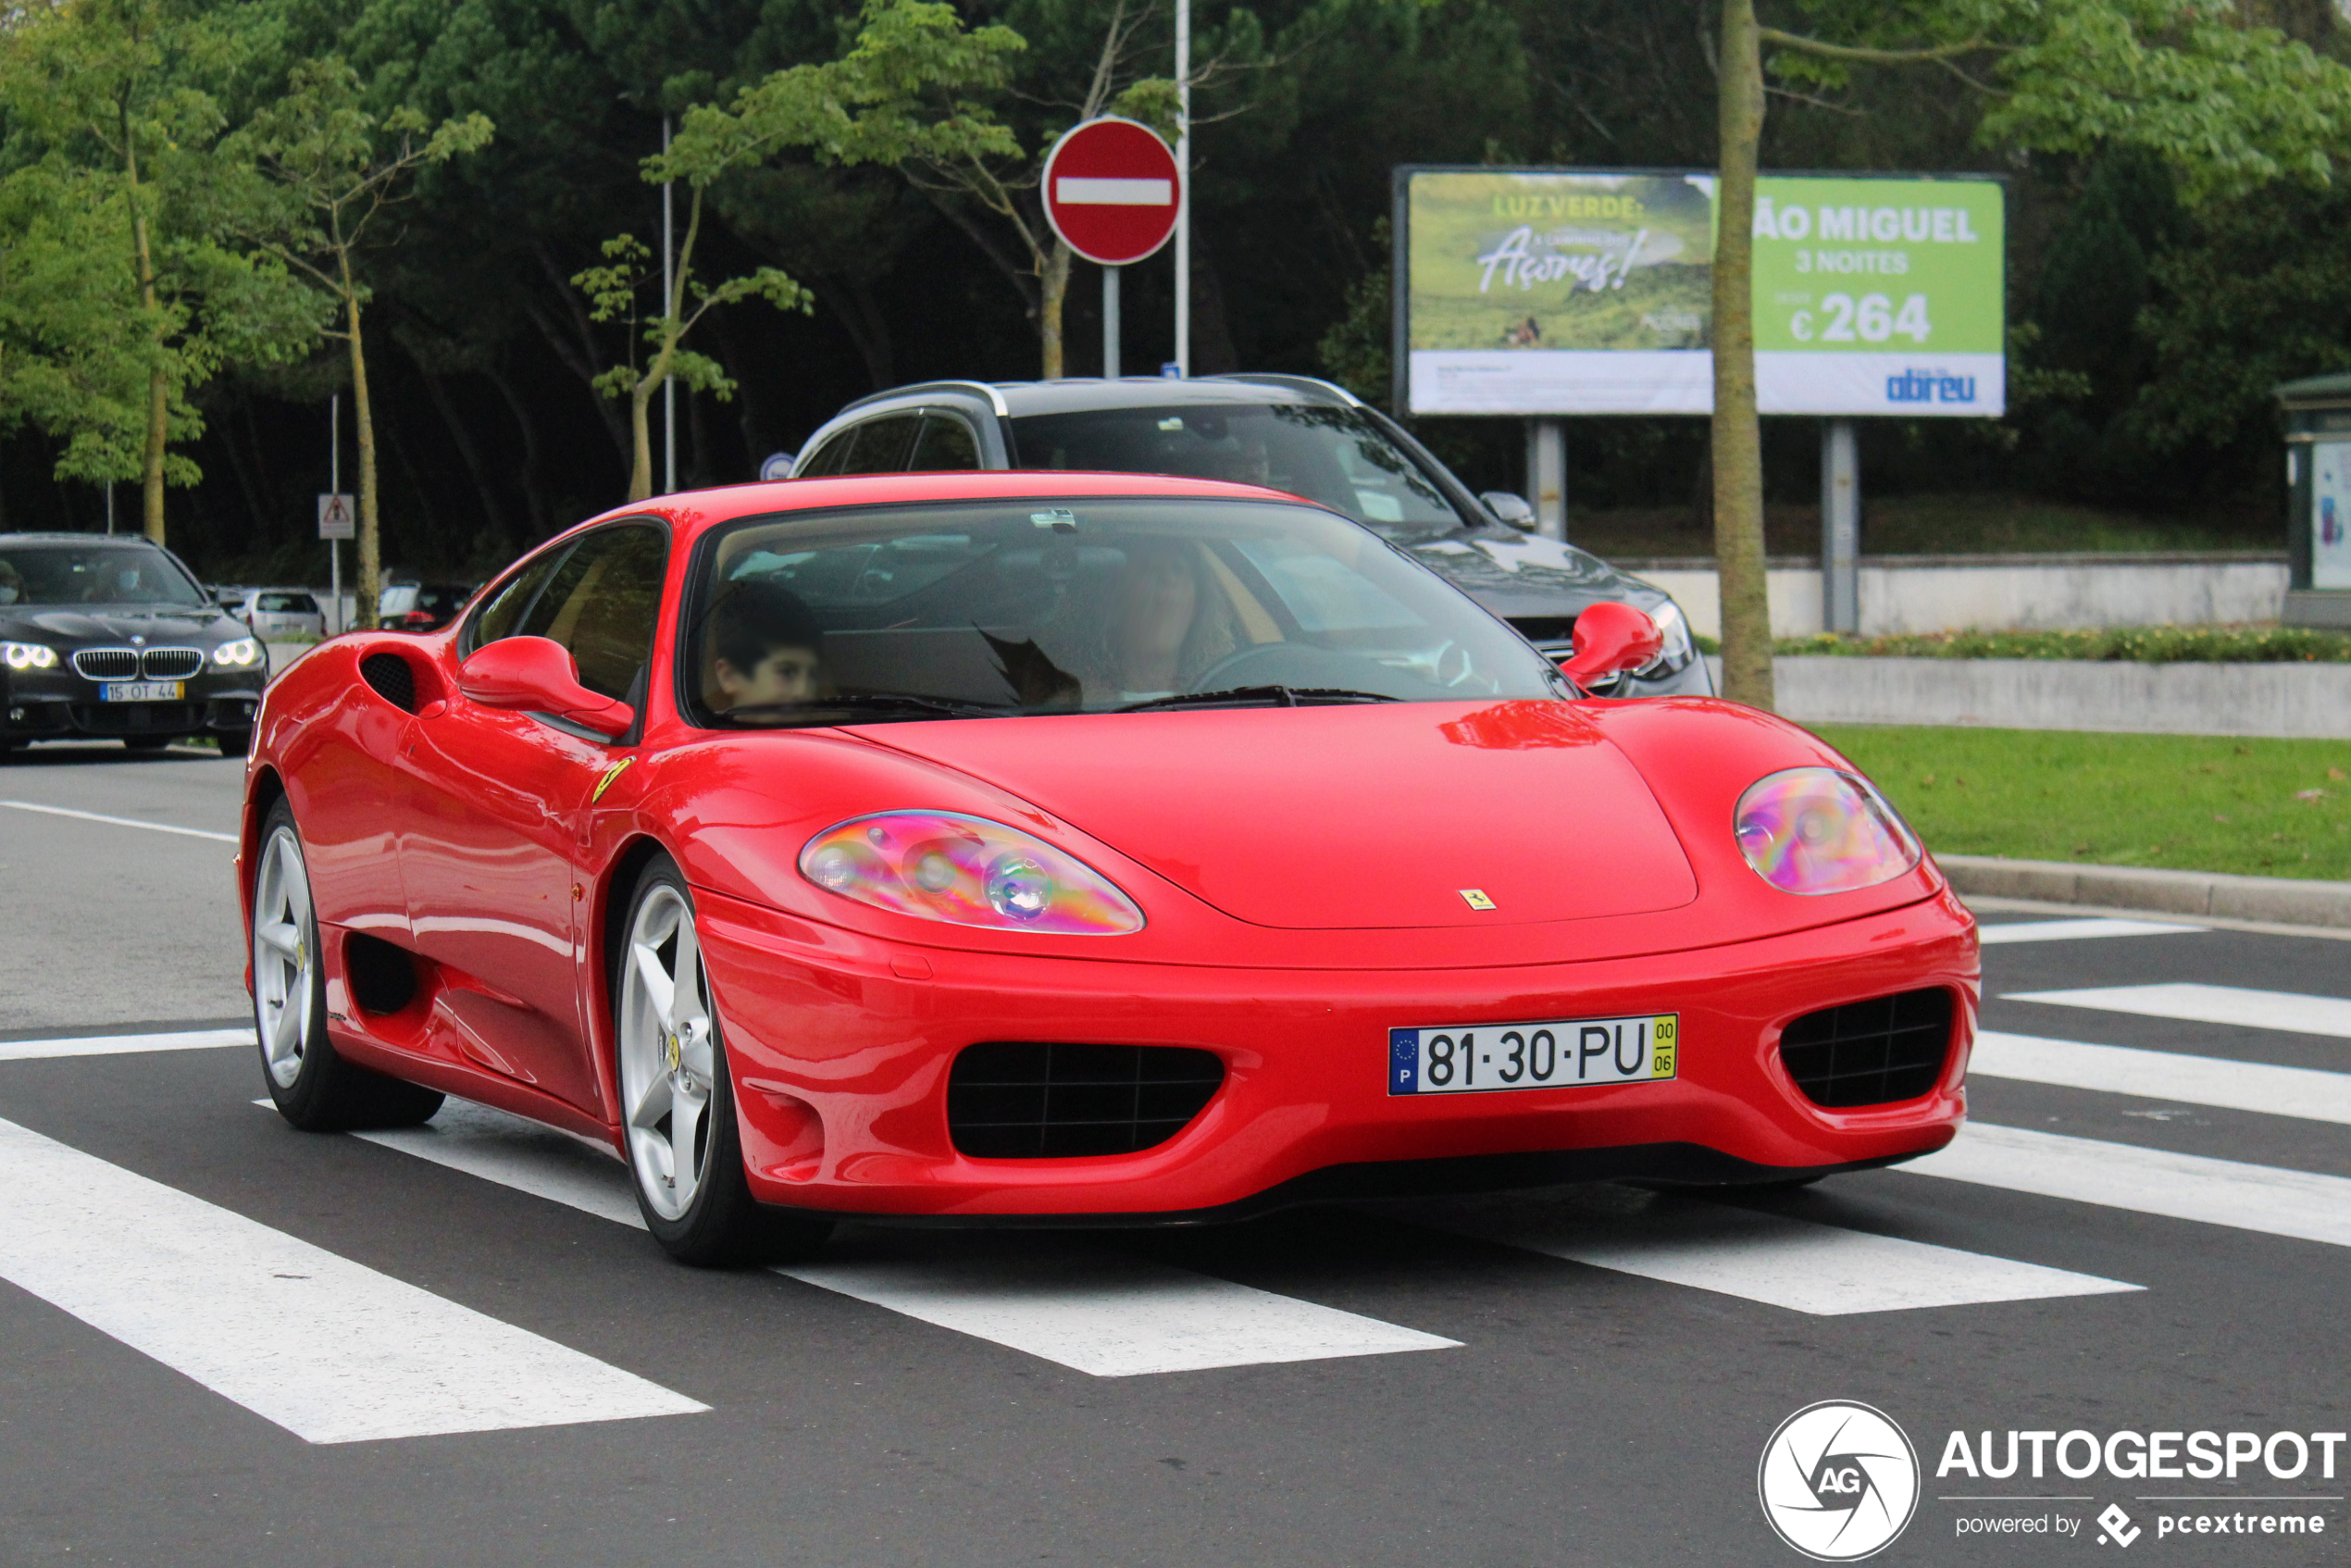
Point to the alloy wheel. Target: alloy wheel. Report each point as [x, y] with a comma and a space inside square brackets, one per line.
[285, 947]
[667, 1053]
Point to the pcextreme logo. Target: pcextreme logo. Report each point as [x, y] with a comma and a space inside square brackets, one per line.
[1838, 1481]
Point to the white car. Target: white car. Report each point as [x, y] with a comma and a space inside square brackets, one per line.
[276, 612]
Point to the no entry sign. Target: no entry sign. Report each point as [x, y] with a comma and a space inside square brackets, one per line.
[1111, 191]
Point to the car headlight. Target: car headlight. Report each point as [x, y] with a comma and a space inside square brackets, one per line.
[1678, 650]
[1819, 831]
[28, 655]
[243, 651]
[968, 871]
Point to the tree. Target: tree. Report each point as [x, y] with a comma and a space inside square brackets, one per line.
[2229, 107]
[911, 93]
[336, 167]
[113, 88]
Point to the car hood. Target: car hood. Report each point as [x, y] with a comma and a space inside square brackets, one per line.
[117, 623]
[1518, 574]
[1350, 817]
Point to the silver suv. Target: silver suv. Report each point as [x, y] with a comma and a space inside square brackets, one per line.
[1289, 432]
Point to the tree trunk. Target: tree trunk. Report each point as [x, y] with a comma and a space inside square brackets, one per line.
[1737, 431]
[641, 439]
[1053, 288]
[370, 567]
[158, 385]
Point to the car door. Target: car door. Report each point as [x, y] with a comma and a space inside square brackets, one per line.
[493, 815]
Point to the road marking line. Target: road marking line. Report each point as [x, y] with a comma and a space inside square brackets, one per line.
[2070, 930]
[2210, 1004]
[1806, 1267]
[122, 821]
[328, 1348]
[1112, 1316]
[116, 1045]
[2305, 1092]
[2274, 1202]
[1100, 1312]
[519, 1153]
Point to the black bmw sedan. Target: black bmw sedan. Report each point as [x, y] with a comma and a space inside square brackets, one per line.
[113, 637]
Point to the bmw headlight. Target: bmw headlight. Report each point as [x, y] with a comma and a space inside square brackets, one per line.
[28, 655]
[238, 654]
[1820, 830]
[968, 871]
[1678, 650]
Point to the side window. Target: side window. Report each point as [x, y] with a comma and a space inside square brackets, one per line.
[602, 604]
[831, 455]
[881, 446]
[501, 613]
[945, 443]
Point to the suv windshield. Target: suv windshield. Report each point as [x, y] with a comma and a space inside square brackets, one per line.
[986, 608]
[1332, 455]
[94, 574]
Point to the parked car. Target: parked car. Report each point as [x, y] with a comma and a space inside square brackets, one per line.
[277, 613]
[105, 636]
[420, 607]
[1307, 437]
[1104, 848]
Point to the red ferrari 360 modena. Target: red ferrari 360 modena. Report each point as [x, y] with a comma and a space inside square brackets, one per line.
[1079, 848]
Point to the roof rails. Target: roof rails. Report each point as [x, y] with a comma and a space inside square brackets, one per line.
[995, 399]
[1297, 383]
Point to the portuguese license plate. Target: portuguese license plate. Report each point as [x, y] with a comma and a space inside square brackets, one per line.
[1569, 1053]
[142, 690]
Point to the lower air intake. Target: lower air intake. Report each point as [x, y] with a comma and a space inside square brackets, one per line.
[1874, 1053]
[1020, 1101]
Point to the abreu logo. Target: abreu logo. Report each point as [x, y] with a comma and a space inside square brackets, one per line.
[1839, 1480]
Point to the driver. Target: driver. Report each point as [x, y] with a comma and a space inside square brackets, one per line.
[1163, 628]
[765, 643]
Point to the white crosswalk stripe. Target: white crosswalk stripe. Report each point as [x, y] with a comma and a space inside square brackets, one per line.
[2274, 1202]
[2075, 930]
[330, 1350]
[1096, 1310]
[2231, 1005]
[1788, 1262]
[116, 1045]
[2303, 1093]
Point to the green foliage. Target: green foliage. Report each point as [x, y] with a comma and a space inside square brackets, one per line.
[2192, 802]
[613, 291]
[2140, 644]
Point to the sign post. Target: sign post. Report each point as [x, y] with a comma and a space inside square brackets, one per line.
[335, 519]
[1112, 193]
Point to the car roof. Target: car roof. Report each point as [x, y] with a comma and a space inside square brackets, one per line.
[126, 541]
[1081, 393]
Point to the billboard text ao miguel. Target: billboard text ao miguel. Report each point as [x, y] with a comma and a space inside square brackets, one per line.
[1589, 292]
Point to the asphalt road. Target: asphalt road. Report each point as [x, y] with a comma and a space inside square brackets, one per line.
[225, 1342]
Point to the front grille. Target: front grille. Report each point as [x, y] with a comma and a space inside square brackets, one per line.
[106, 663]
[1872, 1053]
[393, 679]
[1022, 1101]
[172, 664]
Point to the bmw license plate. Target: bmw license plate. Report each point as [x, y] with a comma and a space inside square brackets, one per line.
[1571, 1054]
[142, 690]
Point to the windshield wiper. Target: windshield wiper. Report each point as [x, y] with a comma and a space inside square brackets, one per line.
[876, 705]
[1258, 696]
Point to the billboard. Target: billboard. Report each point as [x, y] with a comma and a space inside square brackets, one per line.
[1551, 291]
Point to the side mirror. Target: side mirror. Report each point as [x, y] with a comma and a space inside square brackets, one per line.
[537, 675]
[1611, 638]
[1512, 509]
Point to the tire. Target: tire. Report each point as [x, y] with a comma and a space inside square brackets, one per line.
[673, 1059]
[311, 1085]
[147, 743]
[234, 742]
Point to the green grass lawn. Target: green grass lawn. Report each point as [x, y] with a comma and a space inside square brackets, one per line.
[2193, 802]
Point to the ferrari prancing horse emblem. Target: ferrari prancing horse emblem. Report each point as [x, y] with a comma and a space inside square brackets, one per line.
[605, 782]
[1475, 898]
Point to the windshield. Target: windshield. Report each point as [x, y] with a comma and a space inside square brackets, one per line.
[986, 608]
[1332, 455]
[93, 574]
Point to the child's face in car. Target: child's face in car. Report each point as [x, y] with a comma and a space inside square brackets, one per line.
[785, 675]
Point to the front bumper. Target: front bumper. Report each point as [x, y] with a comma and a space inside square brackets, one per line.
[60, 705]
[840, 1047]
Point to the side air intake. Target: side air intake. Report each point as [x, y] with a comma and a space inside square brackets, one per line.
[393, 680]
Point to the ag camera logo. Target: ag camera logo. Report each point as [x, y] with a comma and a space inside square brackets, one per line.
[1838, 1481]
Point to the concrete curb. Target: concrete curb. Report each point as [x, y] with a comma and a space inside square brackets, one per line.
[2283, 901]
